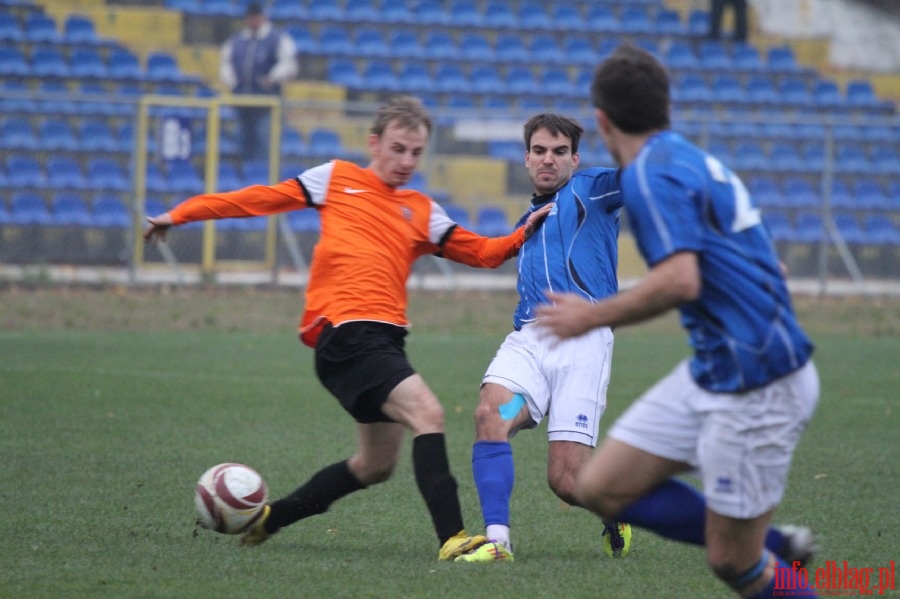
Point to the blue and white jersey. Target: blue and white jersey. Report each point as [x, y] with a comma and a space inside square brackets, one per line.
[576, 249]
[742, 327]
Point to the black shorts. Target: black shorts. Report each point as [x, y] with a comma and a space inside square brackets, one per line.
[360, 363]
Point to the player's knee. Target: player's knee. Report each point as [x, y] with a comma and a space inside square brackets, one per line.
[562, 483]
[371, 472]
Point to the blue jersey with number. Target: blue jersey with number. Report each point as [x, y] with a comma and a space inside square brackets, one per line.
[576, 248]
[742, 327]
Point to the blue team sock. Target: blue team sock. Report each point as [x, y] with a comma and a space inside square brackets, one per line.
[494, 473]
[785, 582]
[677, 511]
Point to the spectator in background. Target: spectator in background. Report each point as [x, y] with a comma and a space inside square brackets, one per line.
[257, 60]
[740, 19]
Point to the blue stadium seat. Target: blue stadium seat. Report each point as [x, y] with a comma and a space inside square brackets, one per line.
[228, 177]
[785, 157]
[395, 11]
[860, 94]
[79, 29]
[163, 67]
[794, 92]
[303, 37]
[449, 78]
[554, 81]
[344, 72]
[183, 178]
[361, 11]
[780, 59]
[476, 47]
[13, 62]
[124, 65]
[56, 134]
[761, 91]
[70, 210]
[808, 228]
[292, 144]
[510, 48]
[870, 195]
[40, 28]
[465, 13]
[714, 56]
[304, 221]
[459, 215]
[64, 172]
[680, 55]
[800, 193]
[600, 18]
[107, 174]
[506, 149]
[17, 134]
[849, 228]
[885, 161]
[727, 89]
[258, 173]
[880, 230]
[826, 95]
[288, 10]
[580, 50]
[635, 19]
[24, 170]
[111, 213]
[841, 195]
[441, 46]
[532, 16]
[10, 29]
[430, 12]
[95, 135]
[698, 23]
[852, 159]
[379, 75]
[87, 63]
[326, 12]
[405, 44]
[29, 208]
[335, 41]
[48, 61]
[486, 79]
[499, 15]
[779, 225]
[691, 89]
[746, 58]
[544, 49]
[220, 8]
[368, 42]
[521, 80]
[765, 191]
[415, 78]
[750, 156]
[491, 221]
[325, 142]
[668, 22]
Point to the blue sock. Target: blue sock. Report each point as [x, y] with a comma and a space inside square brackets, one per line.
[492, 468]
[786, 581]
[677, 511]
[673, 510]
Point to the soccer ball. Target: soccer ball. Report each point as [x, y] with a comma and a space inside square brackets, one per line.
[230, 498]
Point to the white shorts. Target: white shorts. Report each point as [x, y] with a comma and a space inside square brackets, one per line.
[565, 380]
[742, 444]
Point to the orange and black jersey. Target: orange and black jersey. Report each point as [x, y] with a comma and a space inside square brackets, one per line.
[371, 235]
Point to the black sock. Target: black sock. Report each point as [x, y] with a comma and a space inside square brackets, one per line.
[436, 484]
[315, 496]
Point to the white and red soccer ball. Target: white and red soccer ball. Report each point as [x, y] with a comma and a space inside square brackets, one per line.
[230, 498]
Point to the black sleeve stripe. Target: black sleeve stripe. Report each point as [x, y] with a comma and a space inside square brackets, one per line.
[306, 195]
[446, 235]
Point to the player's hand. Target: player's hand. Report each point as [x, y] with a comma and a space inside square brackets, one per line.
[535, 219]
[568, 315]
[158, 228]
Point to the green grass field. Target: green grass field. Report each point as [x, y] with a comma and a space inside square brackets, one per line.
[108, 419]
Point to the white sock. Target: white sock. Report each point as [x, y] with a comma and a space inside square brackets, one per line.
[500, 534]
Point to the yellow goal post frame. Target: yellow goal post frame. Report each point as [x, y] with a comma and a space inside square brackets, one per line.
[212, 106]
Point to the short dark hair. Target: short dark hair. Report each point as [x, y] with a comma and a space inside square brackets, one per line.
[556, 124]
[406, 111]
[632, 88]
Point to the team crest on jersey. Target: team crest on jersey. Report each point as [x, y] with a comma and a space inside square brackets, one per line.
[582, 421]
[407, 212]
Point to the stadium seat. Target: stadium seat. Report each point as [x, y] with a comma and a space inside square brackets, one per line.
[449, 78]
[886, 161]
[163, 67]
[86, 63]
[714, 56]
[361, 11]
[379, 75]
[764, 191]
[826, 95]
[68, 209]
[368, 43]
[799, 193]
[746, 58]
[727, 89]
[258, 173]
[860, 94]
[793, 91]
[124, 65]
[506, 149]
[849, 228]
[106, 174]
[486, 79]
[292, 144]
[852, 159]
[779, 226]
[761, 91]
[544, 49]
[808, 228]
[510, 48]
[40, 28]
[750, 156]
[95, 135]
[880, 230]
[17, 134]
[79, 29]
[579, 51]
[691, 89]
[394, 11]
[405, 44]
[498, 15]
[304, 221]
[601, 19]
[439, 45]
[415, 78]
[56, 134]
[325, 142]
[48, 61]
[29, 208]
[343, 72]
[521, 80]
[183, 178]
[780, 59]
[785, 158]
[668, 22]
[13, 62]
[491, 221]
[10, 30]
[459, 215]
[430, 12]
[288, 10]
[464, 14]
[475, 47]
[24, 171]
[554, 81]
[680, 55]
[870, 195]
[111, 213]
[228, 177]
[64, 172]
[220, 8]
[635, 19]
